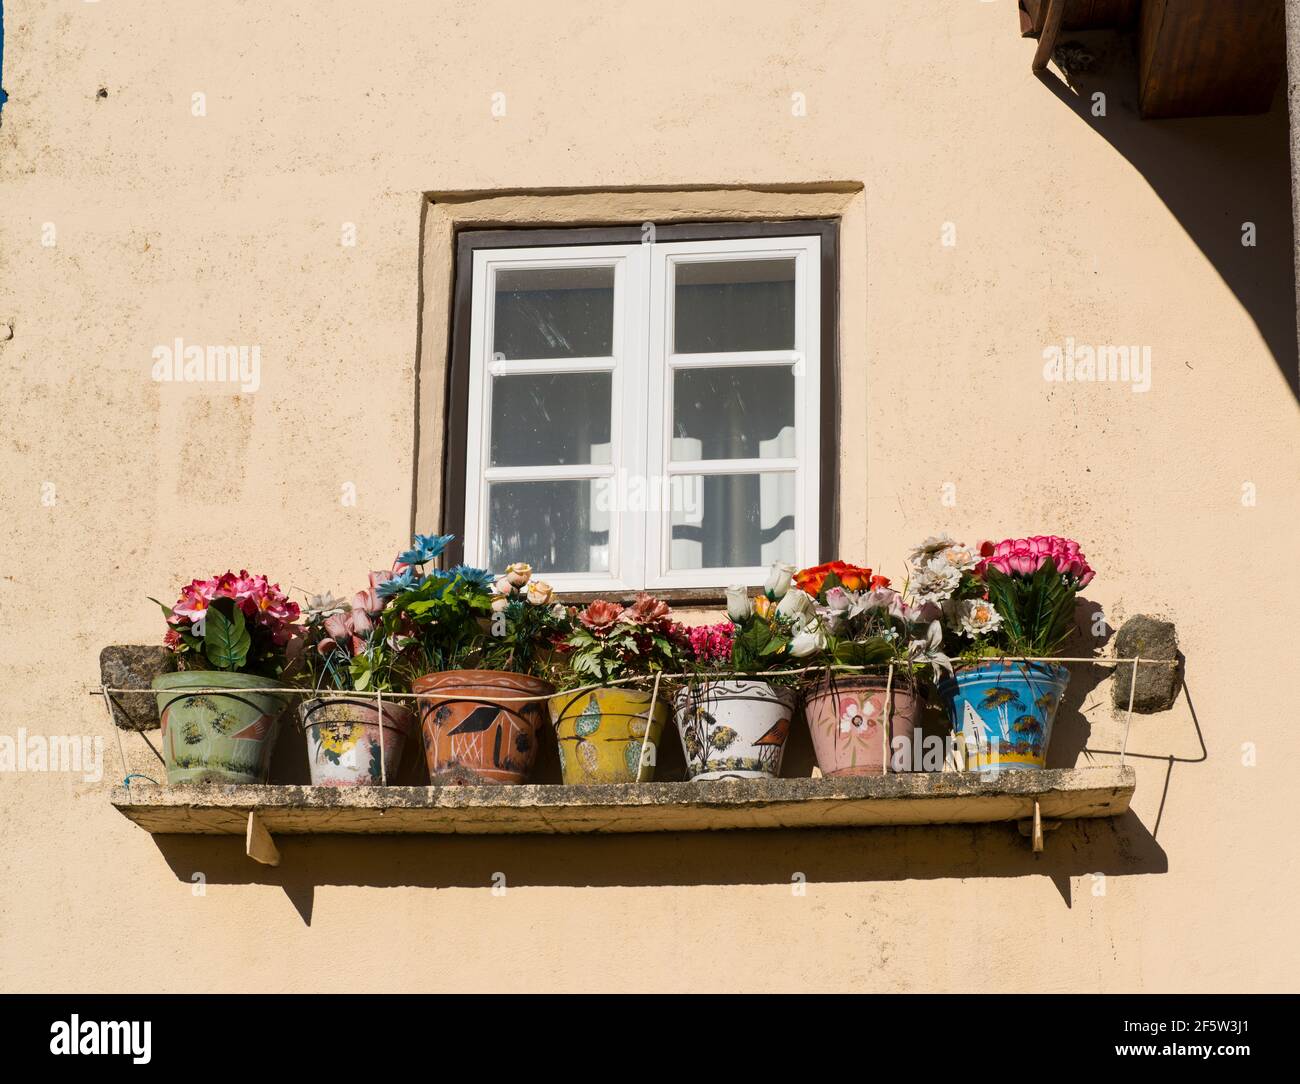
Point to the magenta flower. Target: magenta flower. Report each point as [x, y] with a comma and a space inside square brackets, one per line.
[711, 643]
[1025, 556]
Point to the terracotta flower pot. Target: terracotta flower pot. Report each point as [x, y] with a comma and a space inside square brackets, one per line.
[608, 735]
[490, 738]
[734, 729]
[1002, 712]
[221, 737]
[845, 716]
[343, 740]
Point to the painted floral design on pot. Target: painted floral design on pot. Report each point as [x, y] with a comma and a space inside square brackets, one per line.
[734, 729]
[608, 735]
[343, 741]
[217, 737]
[490, 738]
[1002, 713]
[846, 718]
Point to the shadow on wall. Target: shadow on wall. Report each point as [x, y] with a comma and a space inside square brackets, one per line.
[1213, 173]
[1119, 847]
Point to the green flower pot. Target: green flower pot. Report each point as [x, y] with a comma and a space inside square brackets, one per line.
[217, 737]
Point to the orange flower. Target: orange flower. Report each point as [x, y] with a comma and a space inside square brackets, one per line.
[851, 577]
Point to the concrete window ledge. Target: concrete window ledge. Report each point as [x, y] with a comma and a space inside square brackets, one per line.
[1034, 798]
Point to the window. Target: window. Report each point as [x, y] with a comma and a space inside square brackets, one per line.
[630, 413]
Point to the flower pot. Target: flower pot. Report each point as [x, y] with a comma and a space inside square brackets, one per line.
[1002, 712]
[846, 717]
[490, 738]
[734, 729]
[220, 737]
[343, 740]
[608, 735]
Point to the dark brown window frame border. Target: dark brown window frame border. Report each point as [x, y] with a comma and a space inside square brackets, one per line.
[456, 419]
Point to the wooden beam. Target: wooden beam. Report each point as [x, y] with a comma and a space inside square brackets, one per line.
[1047, 39]
[1201, 58]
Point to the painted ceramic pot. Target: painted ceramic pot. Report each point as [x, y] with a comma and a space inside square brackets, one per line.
[734, 729]
[217, 737]
[1002, 713]
[608, 735]
[846, 716]
[490, 737]
[344, 740]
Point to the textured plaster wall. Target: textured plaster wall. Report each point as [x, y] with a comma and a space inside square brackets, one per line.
[225, 228]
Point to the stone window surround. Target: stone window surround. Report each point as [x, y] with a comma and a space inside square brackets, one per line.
[445, 213]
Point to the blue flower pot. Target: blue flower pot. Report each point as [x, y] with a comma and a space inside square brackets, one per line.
[1002, 712]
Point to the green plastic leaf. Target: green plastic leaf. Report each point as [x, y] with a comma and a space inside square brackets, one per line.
[167, 610]
[226, 641]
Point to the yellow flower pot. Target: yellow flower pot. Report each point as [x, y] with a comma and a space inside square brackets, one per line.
[608, 735]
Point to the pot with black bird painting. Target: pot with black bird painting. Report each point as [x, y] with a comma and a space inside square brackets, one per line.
[481, 726]
[481, 646]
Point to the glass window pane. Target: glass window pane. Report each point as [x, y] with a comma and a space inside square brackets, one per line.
[554, 312]
[733, 305]
[745, 412]
[732, 520]
[551, 420]
[553, 526]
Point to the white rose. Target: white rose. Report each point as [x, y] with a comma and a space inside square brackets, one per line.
[778, 580]
[738, 605]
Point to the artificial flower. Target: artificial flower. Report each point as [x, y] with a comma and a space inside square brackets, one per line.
[540, 593]
[600, 616]
[935, 581]
[646, 610]
[795, 604]
[738, 605]
[975, 617]
[396, 584]
[475, 577]
[519, 573]
[778, 580]
[426, 547]
[807, 642]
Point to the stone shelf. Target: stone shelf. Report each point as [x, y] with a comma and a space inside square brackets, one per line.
[1037, 799]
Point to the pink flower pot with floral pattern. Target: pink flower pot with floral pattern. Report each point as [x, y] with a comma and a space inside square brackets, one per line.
[846, 716]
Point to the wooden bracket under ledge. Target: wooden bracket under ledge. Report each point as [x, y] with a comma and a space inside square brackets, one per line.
[258, 844]
[1035, 826]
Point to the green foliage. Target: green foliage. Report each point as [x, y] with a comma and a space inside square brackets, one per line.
[1037, 611]
[760, 644]
[226, 640]
[870, 652]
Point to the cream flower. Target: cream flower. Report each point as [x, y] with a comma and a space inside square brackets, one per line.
[935, 581]
[933, 545]
[503, 586]
[975, 617]
[519, 573]
[540, 593]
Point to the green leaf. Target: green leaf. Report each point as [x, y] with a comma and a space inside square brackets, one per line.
[167, 610]
[226, 641]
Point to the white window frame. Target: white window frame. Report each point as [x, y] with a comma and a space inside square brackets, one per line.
[642, 366]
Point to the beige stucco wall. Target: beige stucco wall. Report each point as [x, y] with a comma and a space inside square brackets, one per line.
[226, 228]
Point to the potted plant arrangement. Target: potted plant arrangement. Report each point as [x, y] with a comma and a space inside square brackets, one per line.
[611, 734]
[485, 647]
[355, 740]
[228, 632]
[859, 717]
[1011, 598]
[736, 727]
